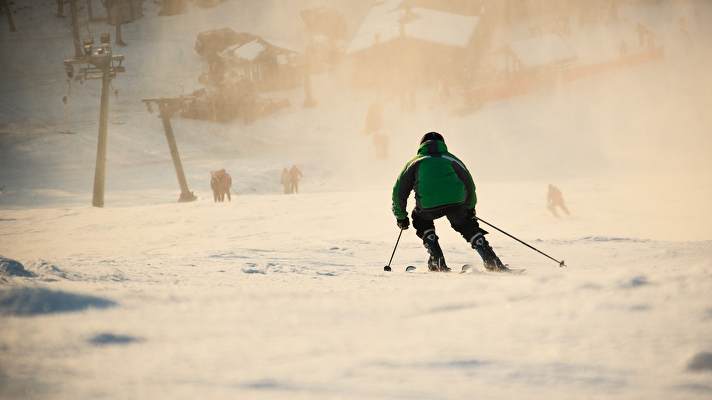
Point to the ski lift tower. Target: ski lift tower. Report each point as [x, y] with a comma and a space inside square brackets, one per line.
[98, 63]
[167, 107]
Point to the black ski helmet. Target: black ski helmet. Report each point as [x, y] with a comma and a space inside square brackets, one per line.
[432, 136]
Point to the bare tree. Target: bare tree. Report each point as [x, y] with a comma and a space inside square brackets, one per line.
[10, 21]
[90, 10]
[60, 8]
[75, 28]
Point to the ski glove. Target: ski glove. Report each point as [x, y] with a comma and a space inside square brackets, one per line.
[403, 223]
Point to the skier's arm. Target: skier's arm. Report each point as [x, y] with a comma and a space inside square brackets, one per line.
[401, 190]
[466, 178]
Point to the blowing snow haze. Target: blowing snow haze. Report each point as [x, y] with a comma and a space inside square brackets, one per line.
[240, 218]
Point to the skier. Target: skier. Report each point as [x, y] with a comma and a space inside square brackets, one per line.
[294, 176]
[443, 187]
[554, 198]
[286, 181]
[380, 145]
[374, 118]
[220, 183]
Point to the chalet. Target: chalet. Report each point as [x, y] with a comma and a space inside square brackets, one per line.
[399, 45]
[267, 65]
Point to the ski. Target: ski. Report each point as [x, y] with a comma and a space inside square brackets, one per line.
[467, 268]
[516, 271]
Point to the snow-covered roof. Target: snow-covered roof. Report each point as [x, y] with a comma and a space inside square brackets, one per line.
[383, 24]
[542, 50]
[248, 51]
[288, 44]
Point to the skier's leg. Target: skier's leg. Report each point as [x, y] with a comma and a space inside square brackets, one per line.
[422, 222]
[566, 210]
[552, 209]
[425, 229]
[463, 221]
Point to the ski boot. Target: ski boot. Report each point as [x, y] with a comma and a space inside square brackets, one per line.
[490, 259]
[436, 262]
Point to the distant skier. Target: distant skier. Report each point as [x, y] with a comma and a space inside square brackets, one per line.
[554, 199]
[294, 176]
[443, 187]
[220, 182]
[646, 37]
[683, 25]
[286, 181]
[380, 145]
[374, 118]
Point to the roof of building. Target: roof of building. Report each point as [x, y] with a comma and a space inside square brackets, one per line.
[384, 20]
[248, 51]
[252, 50]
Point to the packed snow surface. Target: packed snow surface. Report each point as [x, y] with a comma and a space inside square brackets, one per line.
[276, 296]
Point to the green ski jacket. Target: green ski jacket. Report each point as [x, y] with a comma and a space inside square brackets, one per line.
[439, 179]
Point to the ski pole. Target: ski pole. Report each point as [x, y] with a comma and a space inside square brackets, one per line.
[388, 267]
[561, 263]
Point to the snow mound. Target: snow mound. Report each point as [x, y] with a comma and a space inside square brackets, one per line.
[612, 239]
[267, 384]
[699, 388]
[28, 301]
[700, 362]
[48, 272]
[108, 338]
[11, 268]
[634, 282]
[252, 268]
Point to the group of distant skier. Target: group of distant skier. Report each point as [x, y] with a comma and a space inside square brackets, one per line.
[290, 179]
[221, 182]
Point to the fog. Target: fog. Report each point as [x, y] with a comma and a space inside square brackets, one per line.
[641, 131]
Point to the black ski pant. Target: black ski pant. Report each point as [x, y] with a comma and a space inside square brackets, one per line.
[462, 220]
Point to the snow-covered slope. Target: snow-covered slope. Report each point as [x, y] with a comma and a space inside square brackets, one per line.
[275, 296]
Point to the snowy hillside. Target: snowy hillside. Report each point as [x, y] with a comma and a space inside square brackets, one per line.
[284, 296]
